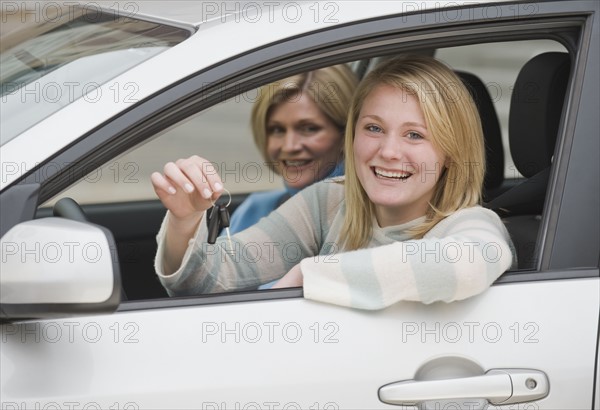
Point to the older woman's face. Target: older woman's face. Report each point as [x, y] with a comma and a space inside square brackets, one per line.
[396, 161]
[304, 144]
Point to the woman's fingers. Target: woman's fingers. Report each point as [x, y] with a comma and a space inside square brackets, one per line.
[193, 179]
[193, 172]
[161, 184]
[212, 178]
[173, 172]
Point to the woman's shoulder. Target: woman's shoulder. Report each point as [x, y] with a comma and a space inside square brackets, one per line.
[474, 216]
[265, 196]
[254, 207]
[261, 202]
[476, 211]
[328, 190]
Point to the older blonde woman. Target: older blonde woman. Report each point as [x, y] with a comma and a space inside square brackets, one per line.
[404, 224]
[298, 126]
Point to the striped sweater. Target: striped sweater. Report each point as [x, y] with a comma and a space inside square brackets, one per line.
[460, 257]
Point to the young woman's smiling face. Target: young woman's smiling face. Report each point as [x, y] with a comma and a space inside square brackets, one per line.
[302, 141]
[396, 163]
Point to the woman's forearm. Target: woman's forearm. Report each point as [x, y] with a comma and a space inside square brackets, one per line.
[177, 236]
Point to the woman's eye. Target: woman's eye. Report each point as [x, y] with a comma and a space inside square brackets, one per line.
[414, 136]
[309, 129]
[373, 128]
[275, 130]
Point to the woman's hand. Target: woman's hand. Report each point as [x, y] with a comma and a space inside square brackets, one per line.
[291, 279]
[187, 187]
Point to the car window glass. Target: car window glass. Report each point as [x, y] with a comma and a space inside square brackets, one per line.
[70, 56]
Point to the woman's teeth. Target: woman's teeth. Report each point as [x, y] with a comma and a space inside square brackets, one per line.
[391, 174]
[296, 163]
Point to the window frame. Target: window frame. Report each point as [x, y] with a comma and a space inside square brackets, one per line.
[376, 37]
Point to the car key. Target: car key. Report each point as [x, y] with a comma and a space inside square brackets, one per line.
[224, 223]
[214, 223]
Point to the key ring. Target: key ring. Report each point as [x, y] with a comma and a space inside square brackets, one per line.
[217, 220]
[228, 203]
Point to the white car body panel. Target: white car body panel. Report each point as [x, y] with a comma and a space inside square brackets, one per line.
[196, 357]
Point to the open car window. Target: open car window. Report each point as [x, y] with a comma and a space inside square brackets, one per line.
[222, 134]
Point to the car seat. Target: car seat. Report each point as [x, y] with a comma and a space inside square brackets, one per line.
[494, 153]
[535, 112]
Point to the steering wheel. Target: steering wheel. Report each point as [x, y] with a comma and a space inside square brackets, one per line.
[68, 208]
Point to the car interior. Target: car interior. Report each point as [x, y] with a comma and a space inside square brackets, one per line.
[533, 128]
[517, 193]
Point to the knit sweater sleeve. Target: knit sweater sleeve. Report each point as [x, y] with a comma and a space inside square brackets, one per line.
[460, 257]
[258, 255]
[255, 206]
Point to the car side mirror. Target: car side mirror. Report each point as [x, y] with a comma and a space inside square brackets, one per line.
[57, 267]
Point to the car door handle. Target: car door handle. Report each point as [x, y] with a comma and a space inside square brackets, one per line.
[498, 386]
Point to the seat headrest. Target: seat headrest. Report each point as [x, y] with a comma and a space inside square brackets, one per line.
[494, 152]
[535, 111]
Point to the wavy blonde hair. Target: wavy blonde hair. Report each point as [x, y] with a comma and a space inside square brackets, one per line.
[330, 88]
[454, 125]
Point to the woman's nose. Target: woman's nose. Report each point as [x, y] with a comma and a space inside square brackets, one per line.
[291, 142]
[391, 148]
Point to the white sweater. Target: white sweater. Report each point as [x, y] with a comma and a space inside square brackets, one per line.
[460, 257]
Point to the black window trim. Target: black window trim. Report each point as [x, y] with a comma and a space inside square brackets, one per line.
[559, 207]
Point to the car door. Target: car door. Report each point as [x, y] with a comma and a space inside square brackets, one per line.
[529, 342]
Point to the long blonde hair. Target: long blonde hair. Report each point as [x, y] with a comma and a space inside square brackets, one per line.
[330, 88]
[455, 128]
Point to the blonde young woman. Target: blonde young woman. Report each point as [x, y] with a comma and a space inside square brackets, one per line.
[404, 224]
[298, 126]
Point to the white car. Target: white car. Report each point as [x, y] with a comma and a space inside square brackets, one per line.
[96, 96]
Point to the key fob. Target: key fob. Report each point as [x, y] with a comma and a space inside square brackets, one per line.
[224, 216]
[213, 222]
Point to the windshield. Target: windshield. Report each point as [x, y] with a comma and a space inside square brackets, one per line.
[49, 65]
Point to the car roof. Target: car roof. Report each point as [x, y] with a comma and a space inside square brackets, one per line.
[188, 12]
